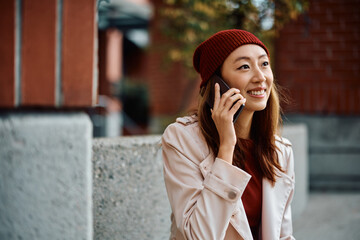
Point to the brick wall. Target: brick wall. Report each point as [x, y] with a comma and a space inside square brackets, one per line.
[48, 53]
[7, 52]
[317, 59]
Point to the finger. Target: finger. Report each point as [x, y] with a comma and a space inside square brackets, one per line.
[237, 105]
[231, 92]
[231, 100]
[217, 96]
[227, 112]
[228, 94]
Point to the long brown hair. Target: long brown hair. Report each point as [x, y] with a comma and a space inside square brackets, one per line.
[264, 127]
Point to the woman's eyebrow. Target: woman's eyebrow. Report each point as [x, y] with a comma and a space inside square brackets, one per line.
[248, 58]
[241, 58]
[263, 55]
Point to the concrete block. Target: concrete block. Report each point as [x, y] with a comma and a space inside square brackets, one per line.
[330, 131]
[350, 164]
[45, 176]
[129, 195]
[298, 136]
[334, 151]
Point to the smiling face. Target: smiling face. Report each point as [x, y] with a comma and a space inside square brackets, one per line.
[247, 68]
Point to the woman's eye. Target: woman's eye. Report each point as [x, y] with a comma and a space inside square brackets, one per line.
[245, 66]
[265, 64]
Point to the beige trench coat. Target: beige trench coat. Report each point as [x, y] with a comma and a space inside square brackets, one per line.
[205, 192]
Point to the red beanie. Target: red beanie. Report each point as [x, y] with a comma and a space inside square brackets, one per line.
[211, 54]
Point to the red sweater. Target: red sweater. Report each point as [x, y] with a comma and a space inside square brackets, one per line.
[252, 196]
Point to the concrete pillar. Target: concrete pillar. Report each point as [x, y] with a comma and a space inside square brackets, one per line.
[45, 176]
[130, 200]
[298, 136]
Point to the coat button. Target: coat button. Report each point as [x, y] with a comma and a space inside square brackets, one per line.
[232, 194]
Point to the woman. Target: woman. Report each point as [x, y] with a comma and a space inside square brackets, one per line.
[230, 180]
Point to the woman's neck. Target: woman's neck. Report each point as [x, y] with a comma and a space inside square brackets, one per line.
[243, 124]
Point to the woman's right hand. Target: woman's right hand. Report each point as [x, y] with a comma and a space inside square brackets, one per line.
[222, 115]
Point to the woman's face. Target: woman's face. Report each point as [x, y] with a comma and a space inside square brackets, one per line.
[247, 68]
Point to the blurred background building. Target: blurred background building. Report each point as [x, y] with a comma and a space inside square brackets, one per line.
[315, 60]
[126, 65]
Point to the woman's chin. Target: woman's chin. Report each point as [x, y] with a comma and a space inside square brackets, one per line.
[255, 107]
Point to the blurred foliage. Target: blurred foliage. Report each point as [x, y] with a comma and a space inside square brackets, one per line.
[286, 10]
[189, 22]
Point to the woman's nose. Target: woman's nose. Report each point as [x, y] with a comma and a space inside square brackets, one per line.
[259, 75]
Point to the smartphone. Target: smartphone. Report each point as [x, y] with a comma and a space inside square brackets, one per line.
[223, 88]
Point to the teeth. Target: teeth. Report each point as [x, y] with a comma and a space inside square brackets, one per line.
[257, 92]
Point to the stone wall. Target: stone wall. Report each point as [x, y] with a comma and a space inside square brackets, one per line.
[45, 176]
[298, 135]
[130, 200]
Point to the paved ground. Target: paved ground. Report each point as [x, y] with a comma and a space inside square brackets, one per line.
[329, 216]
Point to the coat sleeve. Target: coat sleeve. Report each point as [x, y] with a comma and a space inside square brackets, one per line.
[202, 206]
[286, 226]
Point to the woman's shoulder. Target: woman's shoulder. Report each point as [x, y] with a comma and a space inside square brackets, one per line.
[285, 155]
[183, 126]
[185, 135]
[282, 141]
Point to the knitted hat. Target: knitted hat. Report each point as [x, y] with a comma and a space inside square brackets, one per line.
[211, 54]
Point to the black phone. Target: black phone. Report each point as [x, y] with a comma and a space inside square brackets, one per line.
[223, 88]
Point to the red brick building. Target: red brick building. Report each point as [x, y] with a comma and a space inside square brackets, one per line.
[171, 92]
[317, 59]
[41, 65]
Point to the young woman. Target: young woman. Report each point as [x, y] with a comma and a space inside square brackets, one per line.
[230, 180]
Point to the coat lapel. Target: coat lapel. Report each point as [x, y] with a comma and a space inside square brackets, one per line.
[275, 198]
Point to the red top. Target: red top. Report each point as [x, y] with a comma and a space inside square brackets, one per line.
[252, 196]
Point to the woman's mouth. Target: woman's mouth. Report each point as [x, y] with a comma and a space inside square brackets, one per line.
[257, 93]
[260, 92]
